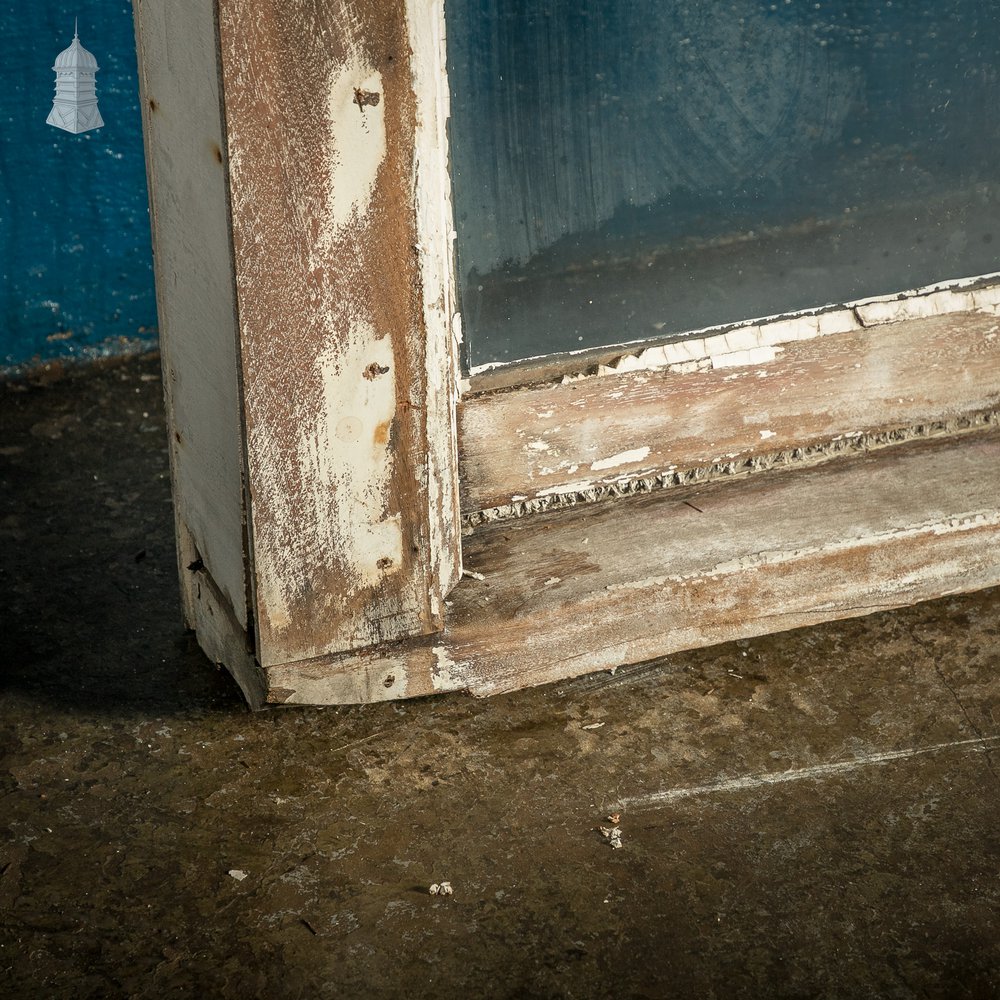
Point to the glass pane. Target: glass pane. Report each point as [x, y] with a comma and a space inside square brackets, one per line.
[633, 170]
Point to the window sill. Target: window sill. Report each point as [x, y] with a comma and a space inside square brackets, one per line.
[610, 584]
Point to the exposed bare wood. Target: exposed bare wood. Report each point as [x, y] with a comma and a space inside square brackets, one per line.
[547, 441]
[600, 586]
[336, 178]
[221, 637]
[182, 119]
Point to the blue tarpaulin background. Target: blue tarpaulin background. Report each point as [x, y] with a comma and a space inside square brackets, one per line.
[75, 254]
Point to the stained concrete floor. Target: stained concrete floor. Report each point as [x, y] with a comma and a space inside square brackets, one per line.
[133, 782]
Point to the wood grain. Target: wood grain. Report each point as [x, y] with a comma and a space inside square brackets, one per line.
[604, 585]
[349, 445]
[545, 441]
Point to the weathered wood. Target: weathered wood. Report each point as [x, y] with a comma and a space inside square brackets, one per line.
[222, 638]
[603, 585]
[196, 293]
[432, 193]
[312, 381]
[335, 134]
[546, 441]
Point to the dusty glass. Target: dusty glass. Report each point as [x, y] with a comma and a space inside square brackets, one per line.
[634, 170]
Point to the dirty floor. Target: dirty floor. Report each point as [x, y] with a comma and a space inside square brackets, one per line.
[813, 814]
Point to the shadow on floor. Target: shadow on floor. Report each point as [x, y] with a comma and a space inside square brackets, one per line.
[88, 573]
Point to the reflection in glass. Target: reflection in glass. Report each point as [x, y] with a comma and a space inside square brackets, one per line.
[633, 170]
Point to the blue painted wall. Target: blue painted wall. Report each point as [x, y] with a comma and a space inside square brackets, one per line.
[75, 255]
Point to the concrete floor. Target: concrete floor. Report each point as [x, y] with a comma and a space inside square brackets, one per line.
[133, 782]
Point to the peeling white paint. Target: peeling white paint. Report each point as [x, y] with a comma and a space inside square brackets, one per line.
[357, 142]
[344, 466]
[446, 673]
[622, 458]
[349, 456]
[442, 320]
[764, 435]
[565, 488]
[918, 307]
[700, 348]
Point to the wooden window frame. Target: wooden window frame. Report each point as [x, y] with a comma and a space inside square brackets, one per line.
[332, 470]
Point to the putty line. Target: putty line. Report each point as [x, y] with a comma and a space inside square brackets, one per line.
[798, 774]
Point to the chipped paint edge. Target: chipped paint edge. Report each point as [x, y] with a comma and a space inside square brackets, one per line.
[574, 494]
[757, 341]
[435, 252]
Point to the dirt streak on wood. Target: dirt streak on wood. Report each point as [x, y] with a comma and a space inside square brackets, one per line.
[349, 448]
[602, 586]
[546, 441]
[195, 285]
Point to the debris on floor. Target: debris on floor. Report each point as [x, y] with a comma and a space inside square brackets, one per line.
[440, 889]
[612, 834]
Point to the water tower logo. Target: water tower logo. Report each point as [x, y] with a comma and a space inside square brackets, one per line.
[75, 106]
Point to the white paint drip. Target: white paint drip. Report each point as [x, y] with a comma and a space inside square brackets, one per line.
[622, 458]
[754, 781]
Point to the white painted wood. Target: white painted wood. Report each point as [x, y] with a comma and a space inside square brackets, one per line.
[305, 282]
[435, 234]
[335, 129]
[639, 429]
[185, 157]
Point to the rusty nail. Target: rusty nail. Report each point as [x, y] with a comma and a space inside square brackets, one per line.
[363, 98]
